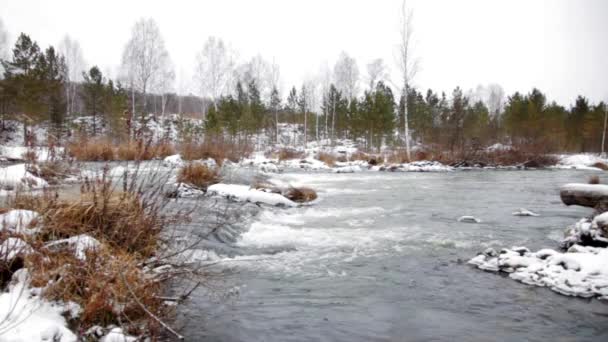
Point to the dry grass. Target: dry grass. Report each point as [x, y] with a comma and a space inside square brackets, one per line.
[110, 284]
[92, 150]
[104, 150]
[595, 179]
[300, 195]
[290, 153]
[53, 171]
[216, 150]
[198, 175]
[398, 157]
[327, 158]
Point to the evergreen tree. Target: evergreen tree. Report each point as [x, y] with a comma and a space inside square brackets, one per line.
[93, 94]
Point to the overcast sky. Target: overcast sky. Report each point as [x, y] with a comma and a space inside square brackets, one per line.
[558, 46]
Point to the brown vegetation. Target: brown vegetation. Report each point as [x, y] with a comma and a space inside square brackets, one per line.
[290, 153]
[111, 284]
[595, 179]
[198, 175]
[327, 158]
[216, 150]
[104, 150]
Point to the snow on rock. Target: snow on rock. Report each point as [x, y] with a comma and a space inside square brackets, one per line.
[586, 232]
[581, 271]
[417, 166]
[348, 169]
[183, 190]
[469, 219]
[524, 212]
[18, 221]
[29, 318]
[173, 161]
[79, 244]
[12, 247]
[18, 177]
[117, 335]
[580, 161]
[244, 193]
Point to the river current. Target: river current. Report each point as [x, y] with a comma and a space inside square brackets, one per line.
[381, 257]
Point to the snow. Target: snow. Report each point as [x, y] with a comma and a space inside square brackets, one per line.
[348, 169]
[183, 190]
[243, 193]
[499, 147]
[13, 247]
[117, 335]
[173, 161]
[601, 221]
[417, 166]
[595, 189]
[580, 161]
[79, 244]
[19, 152]
[524, 212]
[581, 271]
[27, 317]
[586, 231]
[468, 219]
[17, 177]
[308, 163]
[18, 221]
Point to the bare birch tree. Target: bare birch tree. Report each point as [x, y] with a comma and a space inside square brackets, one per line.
[376, 72]
[214, 66]
[346, 75]
[144, 57]
[408, 65]
[3, 46]
[166, 81]
[74, 61]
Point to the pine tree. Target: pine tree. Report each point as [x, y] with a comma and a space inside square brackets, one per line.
[93, 94]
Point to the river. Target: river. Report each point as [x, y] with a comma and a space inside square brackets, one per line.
[382, 257]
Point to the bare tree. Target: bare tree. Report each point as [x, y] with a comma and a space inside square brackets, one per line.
[274, 78]
[408, 65]
[166, 81]
[604, 131]
[144, 57]
[376, 72]
[3, 46]
[495, 99]
[214, 65]
[346, 75]
[74, 61]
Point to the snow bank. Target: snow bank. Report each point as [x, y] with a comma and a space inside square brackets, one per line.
[498, 147]
[17, 176]
[243, 193]
[580, 161]
[417, 166]
[348, 169]
[27, 317]
[18, 221]
[117, 335]
[78, 244]
[19, 152]
[173, 161]
[469, 219]
[581, 271]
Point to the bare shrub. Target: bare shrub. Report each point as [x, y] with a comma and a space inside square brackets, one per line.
[91, 150]
[217, 150]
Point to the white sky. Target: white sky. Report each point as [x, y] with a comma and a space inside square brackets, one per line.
[559, 46]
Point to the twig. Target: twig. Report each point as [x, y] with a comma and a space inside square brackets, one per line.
[167, 327]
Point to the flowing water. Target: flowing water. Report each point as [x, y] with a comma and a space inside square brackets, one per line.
[382, 257]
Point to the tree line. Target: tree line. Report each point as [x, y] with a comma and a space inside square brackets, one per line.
[240, 101]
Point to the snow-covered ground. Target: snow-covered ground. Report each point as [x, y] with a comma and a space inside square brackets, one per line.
[583, 161]
[18, 177]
